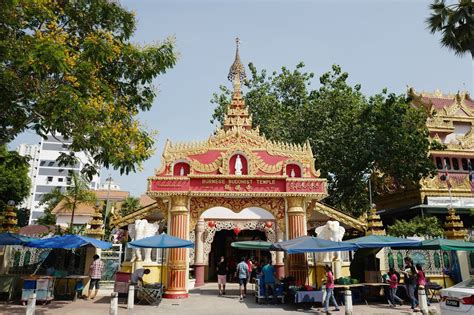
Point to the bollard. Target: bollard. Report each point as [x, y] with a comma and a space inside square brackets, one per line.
[422, 301]
[31, 306]
[131, 297]
[113, 304]
[348, 302]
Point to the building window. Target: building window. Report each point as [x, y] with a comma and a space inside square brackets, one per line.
[465, 166]
[60, 179]
[439, 163]
[447, 162]
[61, 170]
[42, 163]
[68, 180]
[51, 163]
[50, 179]
[455, 164]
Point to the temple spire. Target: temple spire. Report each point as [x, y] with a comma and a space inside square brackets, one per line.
[237, 70]
[237, 114]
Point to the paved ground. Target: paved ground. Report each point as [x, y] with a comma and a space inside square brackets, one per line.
[203, 301]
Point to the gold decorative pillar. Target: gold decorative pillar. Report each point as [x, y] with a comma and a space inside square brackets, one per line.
[454, 227]
[178, 257]
[9, 220]
[95, 229]
[297, 266]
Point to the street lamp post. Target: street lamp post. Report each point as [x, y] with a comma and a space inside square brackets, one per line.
[109, 179]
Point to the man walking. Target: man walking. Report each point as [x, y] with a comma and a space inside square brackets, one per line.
[222, 275]
[268, 272]
[243, 274]
[95, 272]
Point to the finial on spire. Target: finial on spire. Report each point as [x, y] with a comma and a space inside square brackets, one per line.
[237, 70]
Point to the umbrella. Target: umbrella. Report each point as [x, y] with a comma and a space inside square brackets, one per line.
[445, 244]
[68, 241]
[253, 245]
[379, 241]
[8, 238]
[310, 244]
[161, 241]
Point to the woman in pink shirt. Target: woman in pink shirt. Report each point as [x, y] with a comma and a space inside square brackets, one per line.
[330, 290]
[421, 279]
[392, 290]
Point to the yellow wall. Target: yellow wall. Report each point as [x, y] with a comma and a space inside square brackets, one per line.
[155, 271]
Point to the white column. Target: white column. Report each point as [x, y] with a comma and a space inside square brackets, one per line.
[199, 250]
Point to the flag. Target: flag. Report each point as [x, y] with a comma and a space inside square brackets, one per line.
[471, 175]
[445, 176]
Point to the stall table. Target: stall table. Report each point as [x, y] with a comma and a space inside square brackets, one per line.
[42, 286]
[315, 296]
[69, 287]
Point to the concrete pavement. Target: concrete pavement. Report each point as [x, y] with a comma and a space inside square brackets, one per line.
[201, 301]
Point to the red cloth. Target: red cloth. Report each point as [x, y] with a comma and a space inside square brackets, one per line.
[421, 278]
[330, 280]
[393, 281]
[249, 264]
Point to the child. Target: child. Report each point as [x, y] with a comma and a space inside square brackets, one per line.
[392, 290]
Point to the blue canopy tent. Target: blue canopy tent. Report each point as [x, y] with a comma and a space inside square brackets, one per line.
[8, 238]
[380, 241]
[68, 241]
[310, 244]
[161, 241]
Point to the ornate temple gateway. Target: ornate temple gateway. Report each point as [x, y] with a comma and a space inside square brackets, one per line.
[236, 184]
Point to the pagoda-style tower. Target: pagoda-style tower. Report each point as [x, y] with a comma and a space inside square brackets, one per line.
[374, 224]
[454, 227]
[237, 114]
[10, 222]
[96, 230]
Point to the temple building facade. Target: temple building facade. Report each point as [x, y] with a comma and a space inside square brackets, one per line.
[448, 195]
[235, 185]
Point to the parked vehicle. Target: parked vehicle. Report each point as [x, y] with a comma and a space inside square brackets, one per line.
[458, 299]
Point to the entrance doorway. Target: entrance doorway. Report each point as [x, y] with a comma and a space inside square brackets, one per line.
[221, 246]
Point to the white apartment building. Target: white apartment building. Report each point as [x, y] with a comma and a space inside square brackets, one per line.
[50, 175]
[32, 151]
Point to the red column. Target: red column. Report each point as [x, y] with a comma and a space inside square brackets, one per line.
[297, 265]
[178, 257]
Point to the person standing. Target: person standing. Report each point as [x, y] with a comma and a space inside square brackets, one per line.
[243, 274]
[410, 281]
[222, 275]
[269, 272]
[330, 290]
[95, 273]
[393, 286]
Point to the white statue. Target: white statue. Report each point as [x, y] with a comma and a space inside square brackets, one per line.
[292, 173]
[238, 165]
[141, 229]
[181, 171]
[331, 231]
[150, 230]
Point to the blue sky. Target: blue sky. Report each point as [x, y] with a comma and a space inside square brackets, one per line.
[381, 44]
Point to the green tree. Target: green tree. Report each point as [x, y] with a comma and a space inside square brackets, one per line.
[420, 226]
[351, 134]
[69, 68]
[14, 180]
[455, 22]
[129, 205]
[70, 197]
